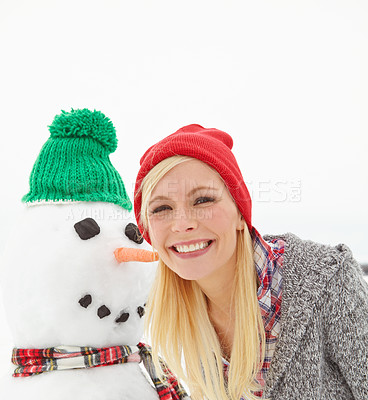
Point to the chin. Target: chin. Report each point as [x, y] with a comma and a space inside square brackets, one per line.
[193, 275]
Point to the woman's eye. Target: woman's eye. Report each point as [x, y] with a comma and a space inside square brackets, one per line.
[201, 200]
[158, 209]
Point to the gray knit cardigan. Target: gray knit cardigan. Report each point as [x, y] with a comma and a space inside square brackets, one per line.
[322, 348]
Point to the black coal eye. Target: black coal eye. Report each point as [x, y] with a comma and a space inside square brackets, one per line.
[87, 228]
[132, 232]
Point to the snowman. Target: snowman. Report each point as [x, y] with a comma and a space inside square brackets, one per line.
[76, 275]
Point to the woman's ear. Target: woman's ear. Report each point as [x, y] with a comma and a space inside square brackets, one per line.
[241, 223]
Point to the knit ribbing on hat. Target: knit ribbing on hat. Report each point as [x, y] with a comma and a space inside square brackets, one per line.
[74, 164]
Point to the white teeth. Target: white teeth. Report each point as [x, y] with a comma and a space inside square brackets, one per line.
[192, 247]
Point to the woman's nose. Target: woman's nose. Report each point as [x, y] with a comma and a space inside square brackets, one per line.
[184, 220]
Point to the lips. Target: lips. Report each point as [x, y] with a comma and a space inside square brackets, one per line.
[179, 248]
[194, 253]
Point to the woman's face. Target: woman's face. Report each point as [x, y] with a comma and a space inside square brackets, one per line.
[193, 221]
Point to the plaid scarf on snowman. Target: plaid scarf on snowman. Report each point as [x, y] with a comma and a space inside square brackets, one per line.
[36, 361]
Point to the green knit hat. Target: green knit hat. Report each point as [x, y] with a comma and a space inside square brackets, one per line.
[74, 164]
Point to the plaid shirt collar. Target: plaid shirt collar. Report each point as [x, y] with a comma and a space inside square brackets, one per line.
[268, 260]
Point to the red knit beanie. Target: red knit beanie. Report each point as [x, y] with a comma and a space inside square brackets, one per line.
[211, 146]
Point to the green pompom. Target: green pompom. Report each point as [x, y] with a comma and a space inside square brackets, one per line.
[85, 124]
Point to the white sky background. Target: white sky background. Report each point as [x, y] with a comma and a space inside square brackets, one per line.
[287, 79]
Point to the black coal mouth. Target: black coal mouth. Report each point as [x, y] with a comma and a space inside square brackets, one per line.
[104, 311]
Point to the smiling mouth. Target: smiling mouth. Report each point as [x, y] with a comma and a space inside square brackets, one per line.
[191, 248]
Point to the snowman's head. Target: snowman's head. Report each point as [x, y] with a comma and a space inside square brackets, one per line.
[64, 279]
[63, 283]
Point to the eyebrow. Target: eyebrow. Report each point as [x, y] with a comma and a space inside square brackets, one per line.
[189, 194]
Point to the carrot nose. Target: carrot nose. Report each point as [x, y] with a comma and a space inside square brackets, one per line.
[125, 254]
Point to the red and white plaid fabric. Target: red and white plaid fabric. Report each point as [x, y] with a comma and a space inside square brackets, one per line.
[36, 361]
[170, 389]
[268, 259]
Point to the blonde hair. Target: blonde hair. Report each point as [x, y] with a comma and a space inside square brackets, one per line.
[181, 331]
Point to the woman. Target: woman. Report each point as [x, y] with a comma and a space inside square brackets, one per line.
[247, 315]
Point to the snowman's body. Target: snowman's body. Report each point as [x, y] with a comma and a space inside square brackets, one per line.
[115, 382]
[62, 290]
